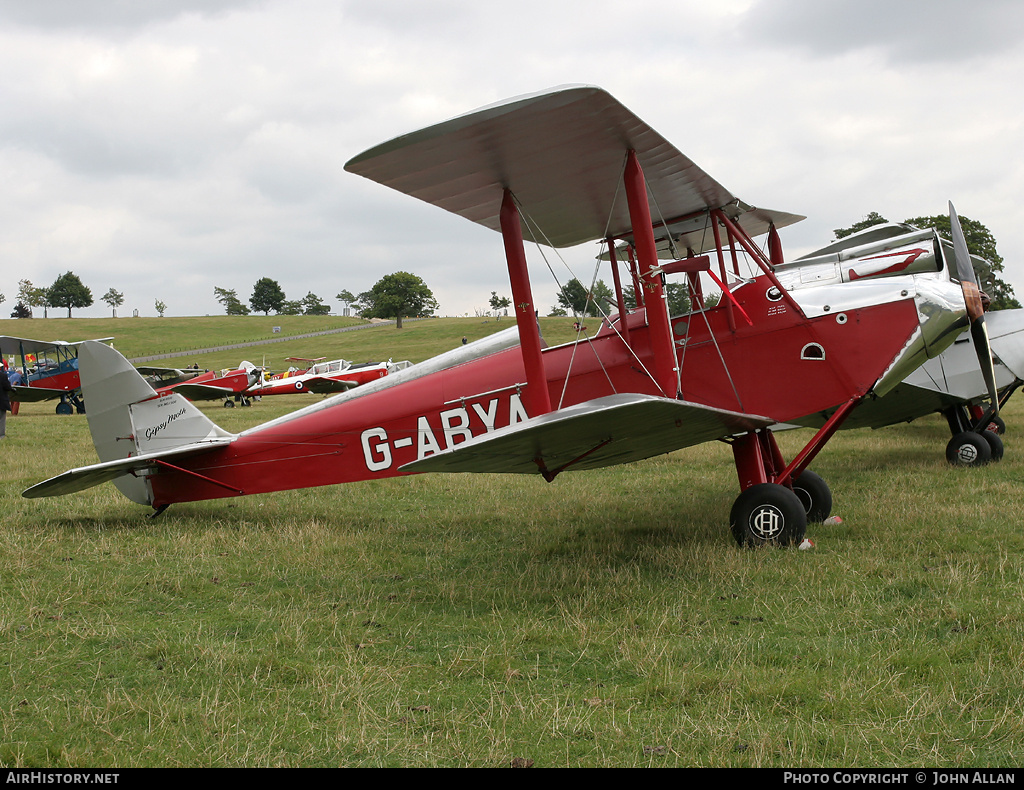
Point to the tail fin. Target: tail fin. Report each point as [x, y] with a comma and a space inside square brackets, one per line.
[127, 418]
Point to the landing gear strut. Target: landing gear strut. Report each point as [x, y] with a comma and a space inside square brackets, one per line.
[778, 501]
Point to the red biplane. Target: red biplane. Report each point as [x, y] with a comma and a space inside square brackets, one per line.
[48, 370]
[561, 168]
[324, 377]
[230, 385]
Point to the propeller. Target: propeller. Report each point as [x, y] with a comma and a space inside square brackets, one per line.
[975, 309]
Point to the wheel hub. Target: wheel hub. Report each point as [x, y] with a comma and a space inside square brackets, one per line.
[767, 522]
[967, 454]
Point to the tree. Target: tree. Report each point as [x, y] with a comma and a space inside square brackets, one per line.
[574, 296]
[314, 305]
[266, 296]
[980, 242]
[499, 303]
[348, 299]
[160, 307]
[230, 300]
[68, 291]
[396, 296]
[21, 311]
[30, 296]
[872, 219]
[114, 299]
[677, 295]
[290, 307]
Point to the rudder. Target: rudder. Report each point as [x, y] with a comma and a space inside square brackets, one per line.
[127, 417]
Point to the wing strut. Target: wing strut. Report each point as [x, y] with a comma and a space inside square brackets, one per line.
[620, 302]
[536, 396]
[665, 369]
[549, 475]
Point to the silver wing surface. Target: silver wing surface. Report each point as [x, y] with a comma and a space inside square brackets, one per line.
[561, 152]
[615, 429]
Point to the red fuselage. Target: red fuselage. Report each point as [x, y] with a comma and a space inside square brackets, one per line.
[783, 366]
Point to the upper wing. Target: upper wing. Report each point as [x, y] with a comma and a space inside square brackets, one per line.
[561, 152]
[24, 345]
[615, 429]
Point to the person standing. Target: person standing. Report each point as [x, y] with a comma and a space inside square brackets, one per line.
[16, 381]
[5, 400]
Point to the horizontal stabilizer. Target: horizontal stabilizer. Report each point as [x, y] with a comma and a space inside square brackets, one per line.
[616, 429]
[88, 476]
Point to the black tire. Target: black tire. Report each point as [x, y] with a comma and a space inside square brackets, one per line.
[995, 445]
[768, 514]
[814, 494]
[64, 408]
[997, 425]
[229, 404]
[968, 449]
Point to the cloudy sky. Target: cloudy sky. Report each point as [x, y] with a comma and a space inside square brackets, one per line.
[167, 147]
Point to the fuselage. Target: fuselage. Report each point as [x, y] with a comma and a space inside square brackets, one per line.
[781, 365]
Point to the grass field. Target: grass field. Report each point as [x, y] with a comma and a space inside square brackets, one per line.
[606, 619]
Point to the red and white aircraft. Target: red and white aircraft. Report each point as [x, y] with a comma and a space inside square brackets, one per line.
[230, 385]
[324, 378]
[49, 371]
[563, 167]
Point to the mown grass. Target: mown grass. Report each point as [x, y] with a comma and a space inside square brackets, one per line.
[146, 337]
[606, 619]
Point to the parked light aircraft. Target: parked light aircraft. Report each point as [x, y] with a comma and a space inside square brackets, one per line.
[325, 377]
[49, 371]
[563, 167]
[230, 385]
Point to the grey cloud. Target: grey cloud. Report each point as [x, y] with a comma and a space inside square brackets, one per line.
[110, 14]
[906, 31]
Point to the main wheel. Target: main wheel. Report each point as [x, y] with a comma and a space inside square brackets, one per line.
[995, 444]
[768, 514]
[64, 408]
[997, 425]
[968, 449]
[815, 495]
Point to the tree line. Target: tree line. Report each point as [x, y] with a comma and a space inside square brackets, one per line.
[394, 296]
[397, 296]
[67, 291]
